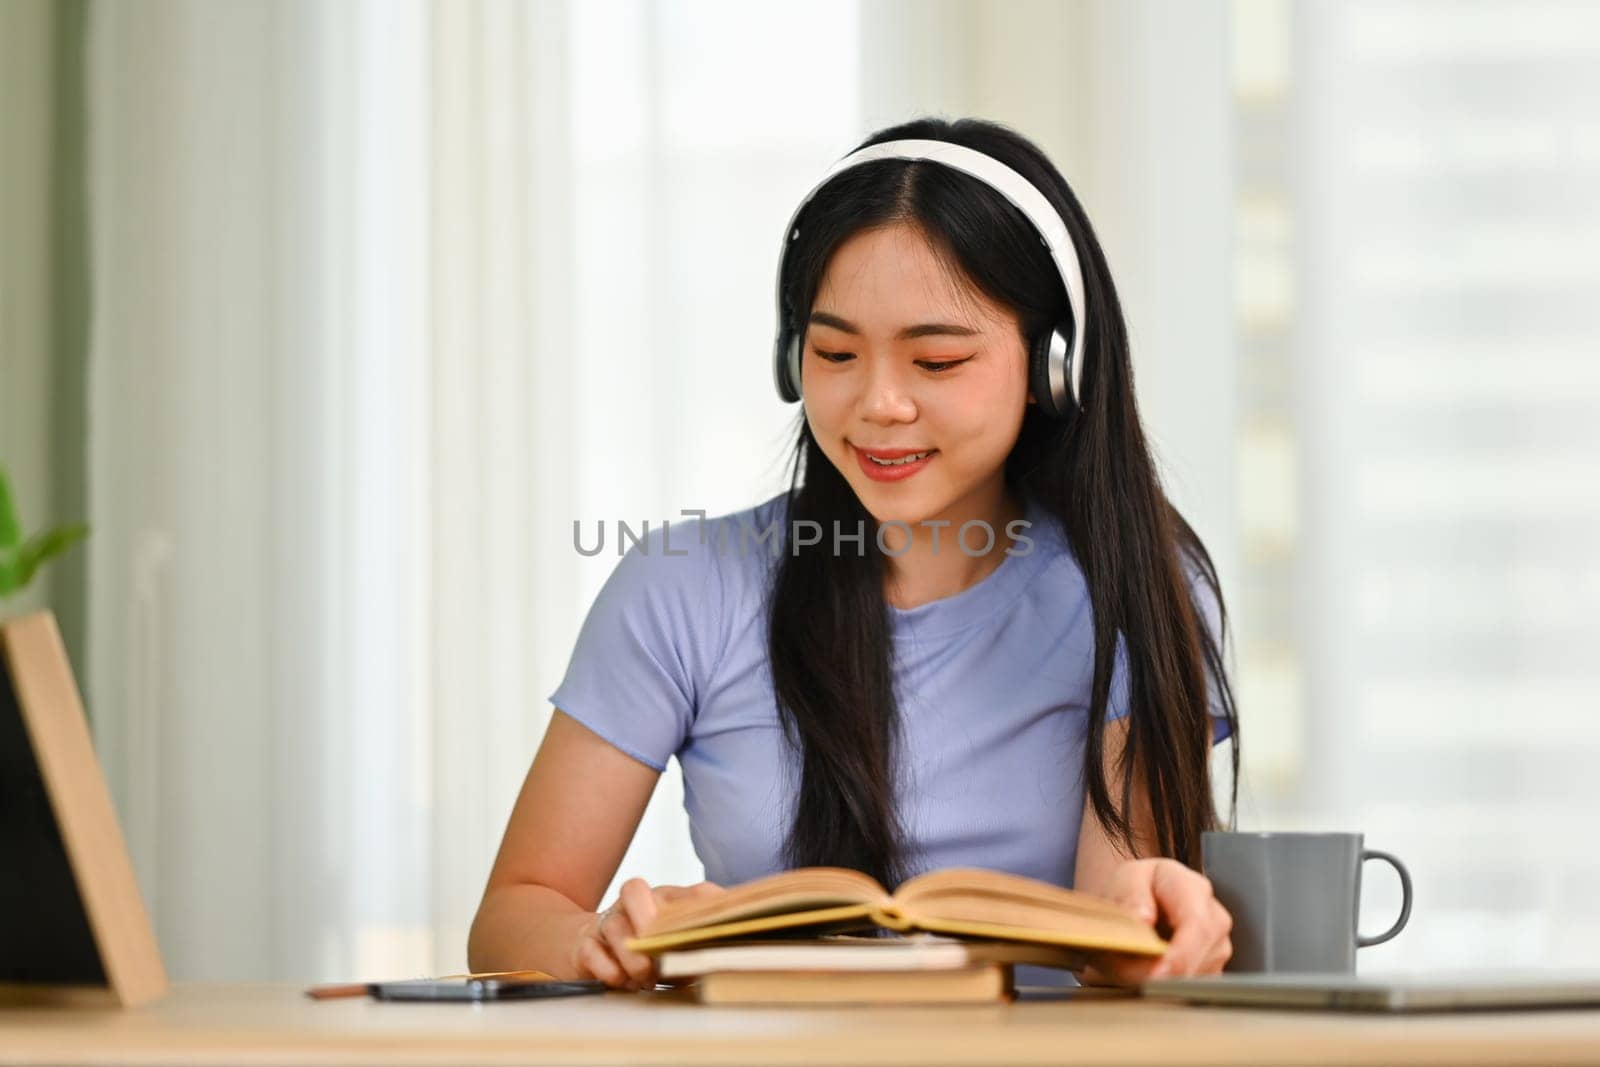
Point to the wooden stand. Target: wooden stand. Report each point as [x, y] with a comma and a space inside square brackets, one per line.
[73, 927]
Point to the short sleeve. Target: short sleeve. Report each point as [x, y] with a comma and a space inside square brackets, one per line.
[1210, 611]
[646, 649]
[1117, 702]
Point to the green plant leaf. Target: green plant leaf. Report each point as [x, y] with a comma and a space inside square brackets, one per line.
[42, 547]
[8, 574]
[10, 527]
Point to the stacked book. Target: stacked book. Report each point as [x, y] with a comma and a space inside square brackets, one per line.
[919, 969]
[945, 937]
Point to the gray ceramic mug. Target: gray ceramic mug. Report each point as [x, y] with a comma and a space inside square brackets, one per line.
[1294, 898]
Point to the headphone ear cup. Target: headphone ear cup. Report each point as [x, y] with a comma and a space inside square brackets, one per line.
[791, 353]
[1047, 366]
[786, 365]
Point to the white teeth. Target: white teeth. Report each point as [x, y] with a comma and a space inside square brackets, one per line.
[901, 461]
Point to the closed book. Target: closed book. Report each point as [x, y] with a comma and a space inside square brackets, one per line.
[986, 983]
[919, 952]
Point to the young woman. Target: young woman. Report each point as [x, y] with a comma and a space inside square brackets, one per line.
[972, 632]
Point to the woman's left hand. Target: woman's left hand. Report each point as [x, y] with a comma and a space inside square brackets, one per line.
[1179, 903]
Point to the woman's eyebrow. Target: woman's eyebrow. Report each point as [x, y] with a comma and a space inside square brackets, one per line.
[925, 329]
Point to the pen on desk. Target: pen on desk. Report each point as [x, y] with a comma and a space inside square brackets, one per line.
[361, 989]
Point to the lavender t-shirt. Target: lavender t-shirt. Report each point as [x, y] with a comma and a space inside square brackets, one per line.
[993, 686]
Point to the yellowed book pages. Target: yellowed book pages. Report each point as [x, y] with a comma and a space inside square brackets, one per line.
[985, 984]
[962, 901]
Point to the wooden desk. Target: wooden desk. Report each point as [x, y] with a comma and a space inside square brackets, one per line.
[276, 1024]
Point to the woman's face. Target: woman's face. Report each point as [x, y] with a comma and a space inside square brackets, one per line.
[901, 357]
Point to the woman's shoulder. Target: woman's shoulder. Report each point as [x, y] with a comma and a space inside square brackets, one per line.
[695, 568]
[1066, 578]
[1044, 538]
[698, 537]
[760, 525]
[674, 596]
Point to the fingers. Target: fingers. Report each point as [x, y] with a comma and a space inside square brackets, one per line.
[633, 911]
[594, 959]
[1130, 889]
[1221, 953]
[1119, 970]
[639, 902]
[1133, 891]
[1200, 941]
[667, 893]
[637, 971]
[1164, 891]
[603, 952]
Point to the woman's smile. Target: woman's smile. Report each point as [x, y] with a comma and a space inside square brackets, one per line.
[892, 464]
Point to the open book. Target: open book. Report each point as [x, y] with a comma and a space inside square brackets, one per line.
[964, 901]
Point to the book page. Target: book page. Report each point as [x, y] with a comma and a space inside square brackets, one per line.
[997, 904]
[1001, 886]
[811, 922]
[973, 917]
[802, 890]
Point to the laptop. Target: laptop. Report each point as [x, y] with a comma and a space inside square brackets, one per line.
[1436, 991]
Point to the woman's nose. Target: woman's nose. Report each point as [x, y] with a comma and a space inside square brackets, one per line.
[886, 397]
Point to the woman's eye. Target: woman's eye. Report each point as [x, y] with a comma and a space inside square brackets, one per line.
[935, 366]
[940, 366]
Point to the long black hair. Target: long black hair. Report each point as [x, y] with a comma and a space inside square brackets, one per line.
[828, 636]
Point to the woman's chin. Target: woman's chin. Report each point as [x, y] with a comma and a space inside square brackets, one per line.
[899, 504]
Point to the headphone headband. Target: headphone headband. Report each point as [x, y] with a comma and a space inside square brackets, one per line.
[1009, 184]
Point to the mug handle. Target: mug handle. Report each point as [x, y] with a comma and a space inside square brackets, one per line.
[1405, 898]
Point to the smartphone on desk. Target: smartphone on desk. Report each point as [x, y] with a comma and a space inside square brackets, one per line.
[480, 989]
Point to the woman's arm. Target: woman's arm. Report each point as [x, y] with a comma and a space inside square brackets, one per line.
[1163, 892]
[1098, 855]
[577, 811]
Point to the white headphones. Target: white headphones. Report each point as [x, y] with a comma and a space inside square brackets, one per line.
[1055, 360]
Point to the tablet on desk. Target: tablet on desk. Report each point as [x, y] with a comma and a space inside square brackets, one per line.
[479, 989]
[1439, 991]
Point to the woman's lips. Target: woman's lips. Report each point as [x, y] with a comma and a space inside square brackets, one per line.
[899, 471]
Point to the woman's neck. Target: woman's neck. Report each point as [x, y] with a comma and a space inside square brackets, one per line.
[923, 573]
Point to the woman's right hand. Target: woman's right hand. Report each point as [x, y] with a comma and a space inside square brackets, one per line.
[601, 951]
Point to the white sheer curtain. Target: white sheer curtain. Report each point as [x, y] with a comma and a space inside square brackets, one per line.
[387, 296]
[607, 215]
[260, 479]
